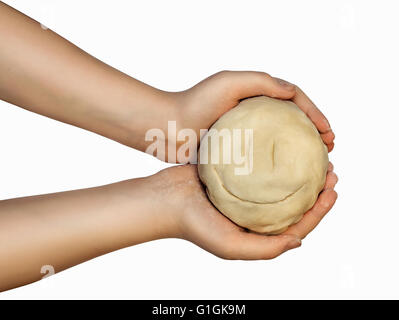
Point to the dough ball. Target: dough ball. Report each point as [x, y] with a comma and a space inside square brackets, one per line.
[289, 165]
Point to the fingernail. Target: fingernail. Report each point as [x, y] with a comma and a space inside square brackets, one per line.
[284, 83]
[328, 124]
[325, 204]
[294, 243]
[336, 177]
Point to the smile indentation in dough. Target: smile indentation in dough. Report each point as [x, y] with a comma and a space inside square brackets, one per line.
[273, 151]
[257, 202]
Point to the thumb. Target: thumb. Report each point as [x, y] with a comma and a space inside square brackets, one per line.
[251, 83]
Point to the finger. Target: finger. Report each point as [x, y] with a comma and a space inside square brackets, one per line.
[328, 137]
[330, 147]
[330, 167]
[251, 83]
[307, 106]
[313, 217]
[331, 180]
[252, 246]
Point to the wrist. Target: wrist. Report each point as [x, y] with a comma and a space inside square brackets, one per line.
[166, 204]
[152, 110]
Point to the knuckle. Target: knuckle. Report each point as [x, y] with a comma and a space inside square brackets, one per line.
[264, 74]
[223, 73]
[259, 75]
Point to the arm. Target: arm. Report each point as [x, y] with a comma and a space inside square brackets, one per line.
[44, 73]
[64, 229]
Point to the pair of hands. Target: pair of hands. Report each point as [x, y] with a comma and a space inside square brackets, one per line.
[199, 221]
[62, 82]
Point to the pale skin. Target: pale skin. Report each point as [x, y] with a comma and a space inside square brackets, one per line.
[44, 73]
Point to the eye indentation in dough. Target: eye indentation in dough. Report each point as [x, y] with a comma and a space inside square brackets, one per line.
[257, 202]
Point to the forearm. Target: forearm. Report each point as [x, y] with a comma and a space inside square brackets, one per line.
[64, 229]
[44, 73]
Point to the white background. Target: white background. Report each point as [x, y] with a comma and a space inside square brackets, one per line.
[344, 54]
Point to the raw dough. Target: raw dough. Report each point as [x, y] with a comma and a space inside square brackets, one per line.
[289, 166]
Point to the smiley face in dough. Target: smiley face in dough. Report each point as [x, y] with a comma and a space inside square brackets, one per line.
[289, 166]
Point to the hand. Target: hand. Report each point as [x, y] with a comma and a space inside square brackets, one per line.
[204, 103]
[198, 221]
